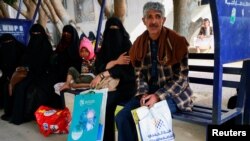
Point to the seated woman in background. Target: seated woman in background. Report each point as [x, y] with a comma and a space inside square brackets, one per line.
[83, 79]
[205, 40]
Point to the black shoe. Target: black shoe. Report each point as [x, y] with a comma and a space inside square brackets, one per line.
[5, 117]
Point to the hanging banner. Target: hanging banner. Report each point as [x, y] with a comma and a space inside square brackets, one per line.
[19, 28]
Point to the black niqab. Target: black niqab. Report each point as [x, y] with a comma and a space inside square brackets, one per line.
[71, 45]
[115, 41]
[39, 50]
[11, 51]
[67, 53]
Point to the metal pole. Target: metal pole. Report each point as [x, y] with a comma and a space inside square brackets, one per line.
[99, 24]
[36, 11]
[33, 20]
[19, 9]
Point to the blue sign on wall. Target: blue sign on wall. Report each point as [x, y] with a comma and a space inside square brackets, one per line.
[233, 29]
[19, 28]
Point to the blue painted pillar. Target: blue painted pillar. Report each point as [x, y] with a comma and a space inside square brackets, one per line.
[247, 101]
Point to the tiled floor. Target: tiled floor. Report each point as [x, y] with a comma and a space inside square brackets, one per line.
[29, 132]
[25, 132]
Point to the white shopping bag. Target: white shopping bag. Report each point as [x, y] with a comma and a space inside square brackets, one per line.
[155, 123]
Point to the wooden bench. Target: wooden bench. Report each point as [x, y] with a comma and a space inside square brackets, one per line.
[213, 114]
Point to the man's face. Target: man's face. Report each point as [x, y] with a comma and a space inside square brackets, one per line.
[154, 22]
[207, 24]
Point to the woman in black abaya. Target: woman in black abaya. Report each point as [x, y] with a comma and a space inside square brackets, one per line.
[11, 51]
[67, 53]
[113, 60]
[37, 60]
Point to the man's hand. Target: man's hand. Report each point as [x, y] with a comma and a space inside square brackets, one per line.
[201, 37]
[149, 100]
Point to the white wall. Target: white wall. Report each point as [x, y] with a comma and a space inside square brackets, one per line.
[87, 26]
